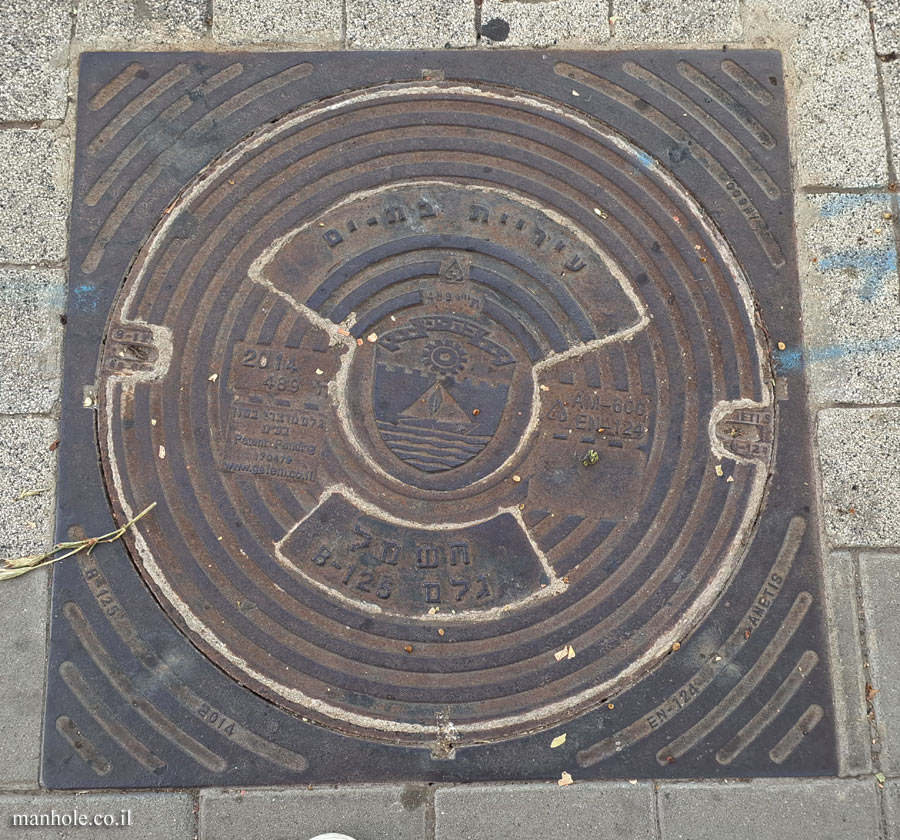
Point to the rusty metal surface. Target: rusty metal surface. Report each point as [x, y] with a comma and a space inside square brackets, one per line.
[451, 378]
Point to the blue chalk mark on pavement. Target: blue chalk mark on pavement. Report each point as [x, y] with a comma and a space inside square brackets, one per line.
[792, 359]
[871, 266]
[86, 297]
[834, 205]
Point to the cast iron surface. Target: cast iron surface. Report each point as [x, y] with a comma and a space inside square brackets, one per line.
[451, 377]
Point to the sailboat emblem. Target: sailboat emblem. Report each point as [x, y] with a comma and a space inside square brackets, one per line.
[430, 414]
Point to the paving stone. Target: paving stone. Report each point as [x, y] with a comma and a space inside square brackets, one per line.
[684, 21]
[23, 626]
[600, 811]
[26, 463]
[837, 131]
[859, 451]
[143, 22]
[826, 809]
[33, 60]
[310, 22]
[152, 815]
[364, 813]
[31, 302]
[880, 576]
[851, 313]
[417, 24]
[886, 17]
[847, 672]
[33, 196]
[892, 808]
[890, 74]
[558, 23]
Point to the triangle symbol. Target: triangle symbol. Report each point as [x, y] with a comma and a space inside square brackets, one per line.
[453, 272]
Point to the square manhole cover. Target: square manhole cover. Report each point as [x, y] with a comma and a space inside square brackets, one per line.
[451, 377]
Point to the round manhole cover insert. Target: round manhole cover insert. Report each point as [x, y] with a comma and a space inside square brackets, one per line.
[432, 385]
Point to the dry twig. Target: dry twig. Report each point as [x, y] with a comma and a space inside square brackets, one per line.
[22, 565]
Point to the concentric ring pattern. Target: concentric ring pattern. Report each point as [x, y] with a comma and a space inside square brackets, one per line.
[431, 382]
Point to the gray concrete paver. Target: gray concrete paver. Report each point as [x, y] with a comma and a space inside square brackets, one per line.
[837, 133]
[23, 617]
[821, 809]
[26, 463]
[364, 813]
[102, 22]
[34, 198]
[31, 303]
[859, 452]
[886, 20]
[847, 671]
[880, 574]
[890, 75]
[561, 23]
[601, 811]
[244, 22]
[418, 24]
[34, 53]
[680, 22]
[152, 815]
[851, 312]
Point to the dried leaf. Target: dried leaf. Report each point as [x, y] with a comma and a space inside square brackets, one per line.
[570, 652]
[558, 741]
[561, 654]
[213, 377]
[719, 470]
[565, 780]
[26, 494]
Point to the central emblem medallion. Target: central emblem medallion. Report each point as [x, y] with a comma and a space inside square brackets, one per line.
[436, 418]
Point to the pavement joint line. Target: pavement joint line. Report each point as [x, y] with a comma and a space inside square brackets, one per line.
[343, 23]
[195, 793]
[31, 415]
[657, 825]
[830, 404]
[430, 814]
[875, 746]
[824, 545]
[37, 264]
[889, 143]
[29, 125]
[477, 21]
[818, 189]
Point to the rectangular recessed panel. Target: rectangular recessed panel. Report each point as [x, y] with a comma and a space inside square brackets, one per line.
[465, 386]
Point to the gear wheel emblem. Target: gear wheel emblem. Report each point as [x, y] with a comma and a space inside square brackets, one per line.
[445, 357]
